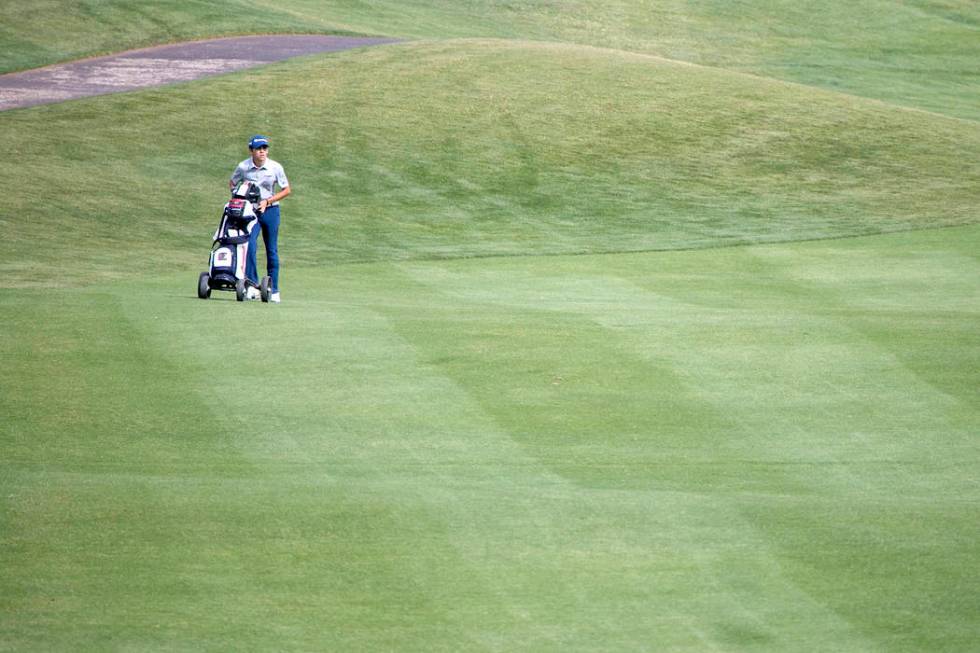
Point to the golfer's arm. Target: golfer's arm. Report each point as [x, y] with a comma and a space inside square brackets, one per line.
[283, 192]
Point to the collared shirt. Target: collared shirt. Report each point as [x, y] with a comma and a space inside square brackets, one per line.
[270, 174]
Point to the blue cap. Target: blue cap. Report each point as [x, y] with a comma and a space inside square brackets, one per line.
[258, 141]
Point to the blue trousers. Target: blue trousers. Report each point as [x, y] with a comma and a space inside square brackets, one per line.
[269, 226]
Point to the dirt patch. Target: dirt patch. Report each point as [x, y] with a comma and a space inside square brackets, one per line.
[166, 64]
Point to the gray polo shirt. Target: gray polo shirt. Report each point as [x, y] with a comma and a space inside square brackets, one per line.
[270, 174]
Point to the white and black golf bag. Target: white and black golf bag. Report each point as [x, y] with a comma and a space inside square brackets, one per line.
[229, 249]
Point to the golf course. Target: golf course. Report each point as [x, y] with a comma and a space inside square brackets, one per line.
[606, 325]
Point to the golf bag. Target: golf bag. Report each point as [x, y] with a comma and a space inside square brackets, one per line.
[229, 249]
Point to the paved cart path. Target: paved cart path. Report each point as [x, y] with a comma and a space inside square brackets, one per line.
[163, 64]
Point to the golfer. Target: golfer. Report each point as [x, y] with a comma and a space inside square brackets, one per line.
[268, 174]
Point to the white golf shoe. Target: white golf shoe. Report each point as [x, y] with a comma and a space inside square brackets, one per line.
[274, 298]
[253, 293]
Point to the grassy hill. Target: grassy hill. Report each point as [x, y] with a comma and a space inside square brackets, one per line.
[476, 148]
[554, 371]
[921, 53]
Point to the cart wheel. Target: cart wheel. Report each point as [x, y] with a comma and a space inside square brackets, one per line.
[265, 288]
[240, 290]
[204, 285]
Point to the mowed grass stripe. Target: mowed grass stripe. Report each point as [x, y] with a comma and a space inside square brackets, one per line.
[90, 390]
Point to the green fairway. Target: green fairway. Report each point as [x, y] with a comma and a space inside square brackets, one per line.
[619, 326]
[728, 449]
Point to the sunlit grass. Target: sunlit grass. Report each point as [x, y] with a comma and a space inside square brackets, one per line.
[476, 148]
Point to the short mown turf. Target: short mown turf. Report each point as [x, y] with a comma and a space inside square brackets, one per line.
[764, 448]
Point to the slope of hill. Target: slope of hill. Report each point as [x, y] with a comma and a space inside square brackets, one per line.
[920, 53]
[474, 148]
